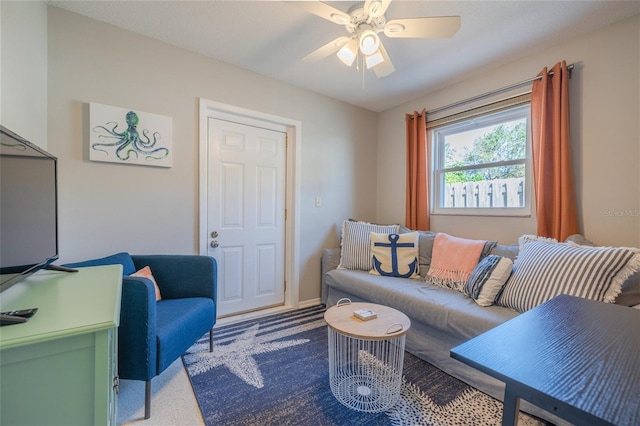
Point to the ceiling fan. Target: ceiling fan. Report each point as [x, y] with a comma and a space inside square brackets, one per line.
[363, 24]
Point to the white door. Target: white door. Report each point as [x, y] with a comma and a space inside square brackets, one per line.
[246, 209]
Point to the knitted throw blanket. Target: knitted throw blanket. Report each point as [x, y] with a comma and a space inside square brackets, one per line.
[453, 260]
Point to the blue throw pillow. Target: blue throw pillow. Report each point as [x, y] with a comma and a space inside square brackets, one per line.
[488, 279]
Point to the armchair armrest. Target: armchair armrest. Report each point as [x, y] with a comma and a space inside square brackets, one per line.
[181, 276]
[137, 332]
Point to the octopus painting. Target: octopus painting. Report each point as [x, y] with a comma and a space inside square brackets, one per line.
[129, 144]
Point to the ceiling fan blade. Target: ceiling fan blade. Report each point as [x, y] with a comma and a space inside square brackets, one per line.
[328, 49]
[323, 10]
[431, 27]
[376, 8]
[386, 67]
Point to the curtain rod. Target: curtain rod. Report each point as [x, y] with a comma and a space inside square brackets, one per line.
[493, 92]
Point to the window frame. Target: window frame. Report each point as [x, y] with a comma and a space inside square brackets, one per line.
[436, 138]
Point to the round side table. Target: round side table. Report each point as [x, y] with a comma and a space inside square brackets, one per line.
[366, 357]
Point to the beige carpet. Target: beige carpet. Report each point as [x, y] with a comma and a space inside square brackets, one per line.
[172, 400]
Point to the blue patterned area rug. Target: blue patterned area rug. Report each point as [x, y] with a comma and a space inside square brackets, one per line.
[275, 371]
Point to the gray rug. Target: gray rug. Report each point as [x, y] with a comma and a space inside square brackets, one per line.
[274, 371]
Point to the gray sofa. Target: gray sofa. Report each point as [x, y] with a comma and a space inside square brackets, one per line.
[440, 318]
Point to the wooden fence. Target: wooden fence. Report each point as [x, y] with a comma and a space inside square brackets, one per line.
[497, 193]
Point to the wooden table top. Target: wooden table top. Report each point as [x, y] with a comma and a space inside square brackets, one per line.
[389, 323]
[582, 353]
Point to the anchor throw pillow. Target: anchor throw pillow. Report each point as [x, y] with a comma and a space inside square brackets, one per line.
[395, 255]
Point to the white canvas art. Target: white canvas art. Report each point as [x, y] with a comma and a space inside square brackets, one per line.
[126, 136]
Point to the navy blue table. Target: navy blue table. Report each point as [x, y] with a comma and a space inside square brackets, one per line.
[576, 358]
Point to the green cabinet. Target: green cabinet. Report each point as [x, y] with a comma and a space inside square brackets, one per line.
[60, 367]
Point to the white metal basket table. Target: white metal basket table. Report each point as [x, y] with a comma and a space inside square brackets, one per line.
[366, 357]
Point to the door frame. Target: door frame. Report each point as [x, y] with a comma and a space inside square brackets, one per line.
[212, 109]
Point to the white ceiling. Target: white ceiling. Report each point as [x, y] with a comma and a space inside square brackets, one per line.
[270, 37]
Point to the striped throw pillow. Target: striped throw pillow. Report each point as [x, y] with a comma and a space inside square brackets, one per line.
[356, 243]
[544, 270]
[488, 279]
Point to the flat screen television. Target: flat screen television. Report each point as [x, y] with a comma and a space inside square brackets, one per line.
[28, 208]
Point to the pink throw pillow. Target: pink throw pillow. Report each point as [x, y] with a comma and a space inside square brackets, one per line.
[146, 273]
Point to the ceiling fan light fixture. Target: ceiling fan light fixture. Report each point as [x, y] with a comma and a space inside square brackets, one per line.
[369, 42]
[363, 22]
[347, 54]
[374, 59]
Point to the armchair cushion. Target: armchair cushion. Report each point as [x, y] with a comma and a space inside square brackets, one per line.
[180, 323]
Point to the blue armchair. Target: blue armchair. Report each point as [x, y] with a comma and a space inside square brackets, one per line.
[152, 335]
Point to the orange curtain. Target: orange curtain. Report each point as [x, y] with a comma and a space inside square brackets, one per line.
[417, 208]
[552, 168]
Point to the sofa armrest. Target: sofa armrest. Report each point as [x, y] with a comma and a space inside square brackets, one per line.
[137, 331]
[330, 261]
[181, 276]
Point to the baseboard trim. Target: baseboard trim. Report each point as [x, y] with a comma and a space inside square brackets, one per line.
[264, 312]
[308, 303]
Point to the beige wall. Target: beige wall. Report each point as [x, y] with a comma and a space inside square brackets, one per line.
[107, 207]
[23, 69]
[605, 116]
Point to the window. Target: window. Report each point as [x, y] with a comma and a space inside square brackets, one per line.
[481, 164]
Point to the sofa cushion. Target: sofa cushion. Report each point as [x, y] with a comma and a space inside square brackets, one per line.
[447, 310]
[630, 293]
[356, 243]
[146, 273]
[510, 251]
[426, 240]
[579, 239]
[122, 258]
[488, 279]
[394, 255]
[545, 269]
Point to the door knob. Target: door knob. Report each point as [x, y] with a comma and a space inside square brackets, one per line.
[214, 244]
